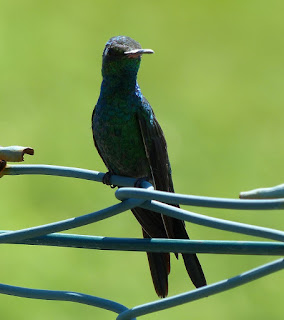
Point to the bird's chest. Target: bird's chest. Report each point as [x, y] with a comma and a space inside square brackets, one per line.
[118, 137]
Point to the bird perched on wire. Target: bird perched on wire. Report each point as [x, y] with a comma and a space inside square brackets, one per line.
[131, 143]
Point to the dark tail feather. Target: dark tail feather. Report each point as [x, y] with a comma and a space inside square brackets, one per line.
[154, 226]
[191, 261]
[160, 268]
[194, 270]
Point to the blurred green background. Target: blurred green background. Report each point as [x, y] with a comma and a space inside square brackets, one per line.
[216, 85]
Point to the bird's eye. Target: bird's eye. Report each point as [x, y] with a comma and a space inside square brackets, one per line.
[111, 52]
[114, 51]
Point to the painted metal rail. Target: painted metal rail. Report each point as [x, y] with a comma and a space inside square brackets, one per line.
[146, 197]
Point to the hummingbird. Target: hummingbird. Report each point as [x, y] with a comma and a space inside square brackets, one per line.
[131, 143]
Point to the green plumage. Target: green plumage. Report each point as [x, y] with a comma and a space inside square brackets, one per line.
[131, 143]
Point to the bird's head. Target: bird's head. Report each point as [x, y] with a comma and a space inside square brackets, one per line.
[122, 56]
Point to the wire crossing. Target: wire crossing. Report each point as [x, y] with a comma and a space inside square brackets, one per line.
[129, 197]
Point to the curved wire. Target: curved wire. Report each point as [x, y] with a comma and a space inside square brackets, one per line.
[67, 224]
[198, 201]
[203, 292]
[63, 296]
[156, 245]
[61, 171]
[216, 223]
[156, 201]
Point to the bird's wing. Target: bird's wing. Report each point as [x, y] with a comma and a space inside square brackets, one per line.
[156, 150]
[157, 155]
[155, 147]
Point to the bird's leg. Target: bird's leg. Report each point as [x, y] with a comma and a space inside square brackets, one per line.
[139, 182]
[106, 180]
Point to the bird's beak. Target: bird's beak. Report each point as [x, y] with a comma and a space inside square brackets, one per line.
[137, 52]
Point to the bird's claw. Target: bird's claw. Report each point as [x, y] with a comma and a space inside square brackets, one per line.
[106, 180]
[2, 167]
[139, 182]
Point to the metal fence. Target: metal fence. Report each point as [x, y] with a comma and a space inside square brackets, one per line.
[147, 197]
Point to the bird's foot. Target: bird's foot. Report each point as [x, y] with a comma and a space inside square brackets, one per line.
[2, 167]
[139, 182]
[106, 180]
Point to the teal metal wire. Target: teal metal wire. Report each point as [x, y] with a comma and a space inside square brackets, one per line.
[147, 197]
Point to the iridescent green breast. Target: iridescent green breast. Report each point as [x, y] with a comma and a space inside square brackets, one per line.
[118, 137]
